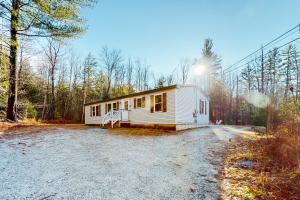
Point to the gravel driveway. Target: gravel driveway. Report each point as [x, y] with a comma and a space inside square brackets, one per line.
[92, 163]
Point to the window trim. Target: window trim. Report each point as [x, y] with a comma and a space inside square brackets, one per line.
[137, 104]
[126, 104]
[95, 111]
[109, 107]
[161, 103]
[114, 108]
[203, 107]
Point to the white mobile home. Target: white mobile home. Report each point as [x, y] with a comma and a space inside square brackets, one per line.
[175, 107]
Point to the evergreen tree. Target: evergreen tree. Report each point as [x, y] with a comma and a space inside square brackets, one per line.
[38, 18]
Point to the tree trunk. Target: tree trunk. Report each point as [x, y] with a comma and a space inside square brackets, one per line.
[11, 102]
[84, 96]
[297, 80]
[237, 101]
[83, 107]
[52, 94]
[46, 98]
[262, 71]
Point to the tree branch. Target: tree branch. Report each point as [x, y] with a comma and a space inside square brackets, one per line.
[4, 6]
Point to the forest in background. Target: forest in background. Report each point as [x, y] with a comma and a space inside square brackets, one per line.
[58, 85]
[61, 82]
[42, 78]
[54, 83]
[263, 88]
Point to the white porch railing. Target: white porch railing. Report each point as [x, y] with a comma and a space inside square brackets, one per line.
[112, 117]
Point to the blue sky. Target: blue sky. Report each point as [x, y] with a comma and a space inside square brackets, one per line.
[164, 31]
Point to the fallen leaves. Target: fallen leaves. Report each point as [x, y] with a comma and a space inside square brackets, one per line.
[261, 167]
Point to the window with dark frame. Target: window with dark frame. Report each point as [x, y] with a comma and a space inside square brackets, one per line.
[98, 110]
[115, 107]
[202, 107]
[138, 102]
[94, 111]
[158, 103]
[126, 105]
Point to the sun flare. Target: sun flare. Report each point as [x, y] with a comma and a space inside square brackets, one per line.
[200, 70]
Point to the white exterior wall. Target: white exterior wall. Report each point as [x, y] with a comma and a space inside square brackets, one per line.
[182, 102]
[144, 116]
[96, 119]
[139, 115]
[187, 103]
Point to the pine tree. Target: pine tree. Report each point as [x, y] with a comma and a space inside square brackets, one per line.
[39, 18]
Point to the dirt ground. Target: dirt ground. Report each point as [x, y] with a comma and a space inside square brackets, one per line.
[92, 163]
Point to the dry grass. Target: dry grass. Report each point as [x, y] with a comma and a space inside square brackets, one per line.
[31, 127]
[25, 127]
[60, 121]
[141, 132]
[273, 174]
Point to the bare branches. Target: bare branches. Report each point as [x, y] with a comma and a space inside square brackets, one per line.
[111, 60]
[184, 66]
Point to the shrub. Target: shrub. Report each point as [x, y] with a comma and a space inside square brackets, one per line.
[260, 118]
[289, 114]
[283, 151]
[57, 115]
[31, 111]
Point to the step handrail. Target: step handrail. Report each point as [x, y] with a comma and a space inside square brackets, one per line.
[112, 116]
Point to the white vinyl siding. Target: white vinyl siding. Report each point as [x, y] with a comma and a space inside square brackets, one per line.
[144, 116]
[188, 106]
[92, 116]
[183, 107]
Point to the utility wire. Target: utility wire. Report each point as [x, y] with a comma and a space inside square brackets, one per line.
[267, 50]
[264, 46]
[243, 65]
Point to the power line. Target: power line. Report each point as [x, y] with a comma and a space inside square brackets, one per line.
[239, 66]
[276, 42]
[251, 54]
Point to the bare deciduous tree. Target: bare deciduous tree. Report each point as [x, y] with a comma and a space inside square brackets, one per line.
[110, 60]
[184, 66]
[52, 53]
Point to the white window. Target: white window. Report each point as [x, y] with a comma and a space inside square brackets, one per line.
[202, 107]
[95, 111]
[158, 103]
